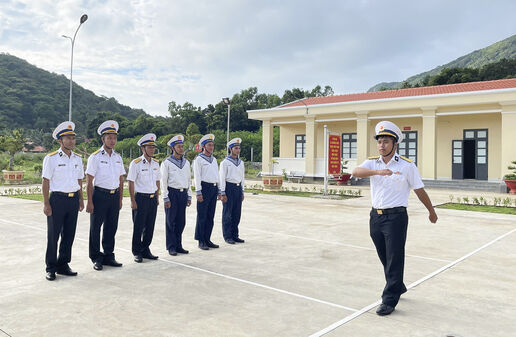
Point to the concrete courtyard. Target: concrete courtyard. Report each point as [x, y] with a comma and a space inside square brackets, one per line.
[308, 267]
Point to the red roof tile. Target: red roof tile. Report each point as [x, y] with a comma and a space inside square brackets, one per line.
[422, 91]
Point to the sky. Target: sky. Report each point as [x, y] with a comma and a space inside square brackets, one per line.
[147, 53]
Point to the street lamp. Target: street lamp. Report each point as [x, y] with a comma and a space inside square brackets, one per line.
[83, 20]
[226, 101]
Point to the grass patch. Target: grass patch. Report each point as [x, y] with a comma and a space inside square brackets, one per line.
[296, 193]
[479, 208]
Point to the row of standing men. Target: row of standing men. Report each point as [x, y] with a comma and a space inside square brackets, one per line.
[62, 178]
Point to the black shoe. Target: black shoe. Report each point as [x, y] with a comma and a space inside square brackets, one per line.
[203, 246]
[212, 245]
[230, 241]
[404, 290]
[239, 240]
[51, 276]
[138, 259]
[182, 251]
[172, 252]
[149, 256]
[97, 265]
[66, 271]
[112, 263]
[384, 309]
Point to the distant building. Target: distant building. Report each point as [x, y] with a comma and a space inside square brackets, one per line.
[458, 131]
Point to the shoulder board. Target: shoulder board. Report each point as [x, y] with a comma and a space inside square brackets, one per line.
[52, 153]
[137, 160]
[157, 161]
[96, 151]
[406, 159]
[374, 157]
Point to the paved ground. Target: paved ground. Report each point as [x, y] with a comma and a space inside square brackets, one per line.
[308, 267]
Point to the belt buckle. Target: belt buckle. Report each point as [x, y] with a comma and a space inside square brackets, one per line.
[379, 211]
[181, 190]
[112, 192]
[71, 195]
[214, 184]
[238, 184]
[152, 195]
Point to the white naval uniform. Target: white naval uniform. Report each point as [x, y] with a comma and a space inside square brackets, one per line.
[144, 174]
[205, 169]
[176, 173]
[105, 169]
[63, 172]
[392, 191]
[233, 171]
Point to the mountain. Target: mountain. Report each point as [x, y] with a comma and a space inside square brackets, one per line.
[493, 53]
[32, 98]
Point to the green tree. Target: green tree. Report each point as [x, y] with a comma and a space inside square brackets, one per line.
[12, 144]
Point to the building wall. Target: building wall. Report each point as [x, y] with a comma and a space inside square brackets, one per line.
[288, 134]
[451, 128]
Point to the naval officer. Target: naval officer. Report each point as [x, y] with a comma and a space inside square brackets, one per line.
[392, 177]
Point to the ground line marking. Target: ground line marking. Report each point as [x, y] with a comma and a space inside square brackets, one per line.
[341, 244]
[412, 285]
[213, 273]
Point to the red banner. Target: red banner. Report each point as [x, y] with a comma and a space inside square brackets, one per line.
[334, 154]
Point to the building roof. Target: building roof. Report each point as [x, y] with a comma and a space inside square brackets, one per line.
[410, 92]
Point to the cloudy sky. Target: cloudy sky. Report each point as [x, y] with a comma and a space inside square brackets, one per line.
[146, 53]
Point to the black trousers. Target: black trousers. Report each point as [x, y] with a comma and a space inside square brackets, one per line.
[206, 212]
[106, 208]
[389, 233]
[175, 218]
[62, 223]
[144, 218]
[231, 211]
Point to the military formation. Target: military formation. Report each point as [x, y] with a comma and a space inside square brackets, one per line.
[63, 176]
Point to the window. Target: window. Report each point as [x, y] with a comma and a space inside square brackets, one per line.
[349, 146]
[300, 146]
[408, 147]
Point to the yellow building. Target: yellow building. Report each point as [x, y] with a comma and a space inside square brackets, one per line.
[457, 131]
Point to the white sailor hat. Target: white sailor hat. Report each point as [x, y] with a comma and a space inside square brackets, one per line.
[386, 128]
[206, 139]
[234, 142]
[178, 139]
[108, 127]
[64, 129]
[148, 139]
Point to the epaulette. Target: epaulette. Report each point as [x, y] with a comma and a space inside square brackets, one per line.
[78, 155]
[52, 153]
[157, 161]
[137, 160]
[406, 159]
[96, 151]
[373, 157]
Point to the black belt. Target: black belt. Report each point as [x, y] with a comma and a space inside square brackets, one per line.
[204, 182]
[148, 195]
[234, 184]
[393, 210]
[105, 190]
[177, 189]
[64, 194]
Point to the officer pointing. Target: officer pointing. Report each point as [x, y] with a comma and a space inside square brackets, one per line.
[392, 178]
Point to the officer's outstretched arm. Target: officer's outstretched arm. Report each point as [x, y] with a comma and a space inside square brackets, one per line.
[361, 172]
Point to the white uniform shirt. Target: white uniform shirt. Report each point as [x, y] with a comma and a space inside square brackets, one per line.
[392, 191]
[144, 174]
[205, 169]
[62, 171]
[176, 173]
[233, 171]
[105, 169]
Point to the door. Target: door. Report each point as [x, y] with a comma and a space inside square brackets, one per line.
[475, 154]
[408, 147]
[457, 164]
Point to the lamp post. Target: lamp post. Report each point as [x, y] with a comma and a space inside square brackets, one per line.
[228, 102]
[84, 17]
